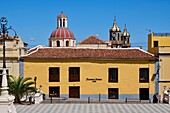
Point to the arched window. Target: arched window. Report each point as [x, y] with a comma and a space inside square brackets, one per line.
[50, 43]
[67, 43]
[58, 43]
[118, 36]
[60, 22]
[125, 40]
[73, 43]
[63, 22]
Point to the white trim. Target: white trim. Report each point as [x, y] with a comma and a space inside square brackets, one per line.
[146, 52]
[36, 49]
[44, 47]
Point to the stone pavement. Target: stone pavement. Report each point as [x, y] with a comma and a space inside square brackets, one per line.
[94, 108]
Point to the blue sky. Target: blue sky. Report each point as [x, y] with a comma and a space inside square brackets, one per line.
[37, 18]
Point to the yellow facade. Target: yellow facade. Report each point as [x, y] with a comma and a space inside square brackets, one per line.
[162, 51]
[128, 76]
[163, 43]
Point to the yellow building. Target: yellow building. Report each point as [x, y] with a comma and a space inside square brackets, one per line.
[85, 72]
[159, 44]
[92, 67]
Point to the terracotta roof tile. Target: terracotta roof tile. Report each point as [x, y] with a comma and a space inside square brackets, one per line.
[85, 53]
[92, 40]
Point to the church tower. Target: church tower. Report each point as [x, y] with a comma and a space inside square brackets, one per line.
[118, 39]
[125, 38]
[115, 35]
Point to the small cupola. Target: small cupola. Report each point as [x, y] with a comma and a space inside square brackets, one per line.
[125, 33]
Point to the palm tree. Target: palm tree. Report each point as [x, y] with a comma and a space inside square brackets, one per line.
[20, 86]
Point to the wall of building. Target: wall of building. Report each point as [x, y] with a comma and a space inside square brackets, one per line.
[12, 66]
[164, 72]
[128, 76]
[92, 45]
[163, 41]
[163, 54]
[14, 48]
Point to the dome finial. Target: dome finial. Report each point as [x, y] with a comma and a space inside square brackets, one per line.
[114, 18]
[125, 26]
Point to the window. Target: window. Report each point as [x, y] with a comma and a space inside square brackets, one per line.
[63, 22]
[74, 92]
[118, 36]
[67, 43]
[54, 91]
[60, 23]
[74, 74]
[155, 43]
[54, 74]
[113, 74]
[113, 93]
[58, 43]
[144, 93]
[50, 43]
[125, 40]
[144, 75]
[73, 43]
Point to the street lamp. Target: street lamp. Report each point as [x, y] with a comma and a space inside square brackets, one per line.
[35, 80]
[4, 36]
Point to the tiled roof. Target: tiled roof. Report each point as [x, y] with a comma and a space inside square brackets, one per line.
[86, 53]
[92, 40]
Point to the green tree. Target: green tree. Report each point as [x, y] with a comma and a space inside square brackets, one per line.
[20, 86]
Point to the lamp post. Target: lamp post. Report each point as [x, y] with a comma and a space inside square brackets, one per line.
[35, 80]
[4, 36]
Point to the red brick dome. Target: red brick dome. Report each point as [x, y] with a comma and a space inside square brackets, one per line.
[62, 32]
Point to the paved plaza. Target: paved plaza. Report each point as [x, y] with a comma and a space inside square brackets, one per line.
[94, 108]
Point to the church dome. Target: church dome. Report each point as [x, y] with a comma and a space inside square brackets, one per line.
[62, 33]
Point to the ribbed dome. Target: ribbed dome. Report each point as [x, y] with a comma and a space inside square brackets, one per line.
[62, 32]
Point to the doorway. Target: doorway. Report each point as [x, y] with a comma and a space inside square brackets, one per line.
[113, 93]
[54, 91]
[74, 92]
[144, 93]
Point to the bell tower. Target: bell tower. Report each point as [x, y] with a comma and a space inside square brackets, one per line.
[115, 35]
[125, 38]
